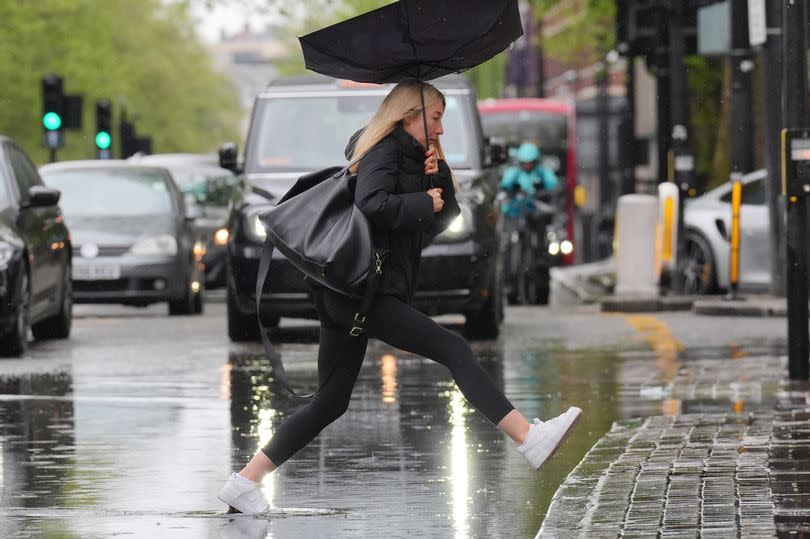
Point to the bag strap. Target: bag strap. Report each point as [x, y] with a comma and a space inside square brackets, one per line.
[357, 325]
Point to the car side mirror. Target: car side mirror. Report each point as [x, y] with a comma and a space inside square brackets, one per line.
[228, 153]
[497, 152]
[42, 197]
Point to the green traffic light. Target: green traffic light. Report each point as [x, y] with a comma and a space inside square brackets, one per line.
[52, 121]
[103, 140]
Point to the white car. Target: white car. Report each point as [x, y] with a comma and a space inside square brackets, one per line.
[707, 230]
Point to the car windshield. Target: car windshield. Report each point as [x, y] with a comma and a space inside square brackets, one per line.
[308, 133]
[209, 188]
[545, 129]
[111, 192]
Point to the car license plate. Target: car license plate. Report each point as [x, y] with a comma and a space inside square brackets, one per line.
[97, 272]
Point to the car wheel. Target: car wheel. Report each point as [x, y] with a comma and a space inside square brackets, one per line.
[184, 305]
[199, 305]
[542, 286]
[58, 326]
[485, 323]
[15, 342]
[700, 272]
[241, 327]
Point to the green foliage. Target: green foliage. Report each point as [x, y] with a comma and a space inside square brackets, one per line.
[589, 33]
[145, 52]
[709, 134]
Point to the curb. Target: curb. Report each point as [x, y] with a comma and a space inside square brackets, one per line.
[636, 304]
[712, 307]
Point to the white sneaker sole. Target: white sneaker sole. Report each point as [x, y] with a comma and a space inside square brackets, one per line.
[235, 507]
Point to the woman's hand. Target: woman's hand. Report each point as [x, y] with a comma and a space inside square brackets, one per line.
[432, 162]
[436, 195]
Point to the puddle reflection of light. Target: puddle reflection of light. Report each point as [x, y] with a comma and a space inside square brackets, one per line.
[225, 382]
[388, 371]
[458, 455]
[264, 432]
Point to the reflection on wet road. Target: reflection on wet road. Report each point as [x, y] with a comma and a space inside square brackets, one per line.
[132, 426]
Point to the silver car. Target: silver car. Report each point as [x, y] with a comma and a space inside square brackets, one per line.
[707, 225]
[133, 240]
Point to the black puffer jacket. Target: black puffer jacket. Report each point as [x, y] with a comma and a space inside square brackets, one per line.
[392, 192]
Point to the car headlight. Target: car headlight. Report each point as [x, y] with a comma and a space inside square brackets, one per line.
[553, 248]
[460, 227]
[163, 245]
[566, 247]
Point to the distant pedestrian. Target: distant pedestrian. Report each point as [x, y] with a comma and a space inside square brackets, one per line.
[393, 192]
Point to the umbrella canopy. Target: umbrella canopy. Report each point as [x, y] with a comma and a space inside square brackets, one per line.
[413, 40]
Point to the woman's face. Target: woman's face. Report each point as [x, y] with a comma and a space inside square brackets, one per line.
[415, 127]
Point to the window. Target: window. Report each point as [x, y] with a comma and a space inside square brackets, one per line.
[308, 133]
[111, 193]
[4, 198]
[24, 172]
[753, 194]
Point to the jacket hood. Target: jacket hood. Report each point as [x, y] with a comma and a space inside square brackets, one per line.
[409, 144]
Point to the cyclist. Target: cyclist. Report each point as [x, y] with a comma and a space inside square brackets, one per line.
[528, 177]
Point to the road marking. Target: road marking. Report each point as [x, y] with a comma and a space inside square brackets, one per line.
[666, 347]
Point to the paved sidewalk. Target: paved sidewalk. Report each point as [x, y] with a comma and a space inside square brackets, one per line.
[701, 474]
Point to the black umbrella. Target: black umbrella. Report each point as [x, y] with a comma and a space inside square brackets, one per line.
[413, 40]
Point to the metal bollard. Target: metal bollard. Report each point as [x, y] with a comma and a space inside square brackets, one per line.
[668, 200]
[734, 254]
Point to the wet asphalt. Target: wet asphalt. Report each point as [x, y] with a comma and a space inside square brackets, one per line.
[131, 426]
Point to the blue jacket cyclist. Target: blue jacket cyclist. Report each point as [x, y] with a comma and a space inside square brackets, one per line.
[528, 177]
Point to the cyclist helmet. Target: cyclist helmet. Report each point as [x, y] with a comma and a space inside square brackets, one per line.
[527, 153]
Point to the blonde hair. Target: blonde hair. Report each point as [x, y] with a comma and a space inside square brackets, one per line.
[402, 102]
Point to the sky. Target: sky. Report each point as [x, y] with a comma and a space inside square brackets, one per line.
[231, 17]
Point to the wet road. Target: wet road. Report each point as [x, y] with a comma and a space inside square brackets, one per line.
[131, 427]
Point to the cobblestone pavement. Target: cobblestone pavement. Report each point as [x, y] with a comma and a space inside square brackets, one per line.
[708, 474]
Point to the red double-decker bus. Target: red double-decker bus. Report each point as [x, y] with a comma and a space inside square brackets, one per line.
[548, 123]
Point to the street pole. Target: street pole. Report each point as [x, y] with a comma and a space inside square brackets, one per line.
[741, 101]
[772, 89]
[679, 107]
[605, 180]
[627, 141]
[663, 110]
[794, 27]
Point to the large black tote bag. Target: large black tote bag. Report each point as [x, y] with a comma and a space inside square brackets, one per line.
[317, 227]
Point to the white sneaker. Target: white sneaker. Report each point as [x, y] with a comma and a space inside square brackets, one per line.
[243, 496]
[545, 437]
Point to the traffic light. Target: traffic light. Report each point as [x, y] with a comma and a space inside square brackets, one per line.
[103, 136]
[52, 111]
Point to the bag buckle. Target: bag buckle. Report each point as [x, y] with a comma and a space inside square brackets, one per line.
[357, 329]
[378, 263]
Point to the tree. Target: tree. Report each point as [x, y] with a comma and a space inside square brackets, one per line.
[145, 52]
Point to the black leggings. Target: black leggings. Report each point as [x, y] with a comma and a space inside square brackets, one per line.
[399, 325]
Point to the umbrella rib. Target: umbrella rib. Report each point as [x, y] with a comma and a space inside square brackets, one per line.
[475, 38]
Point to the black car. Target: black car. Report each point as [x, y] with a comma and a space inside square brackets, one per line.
[35, 256]
[302, 124]
[209, 188]
[134, 240]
